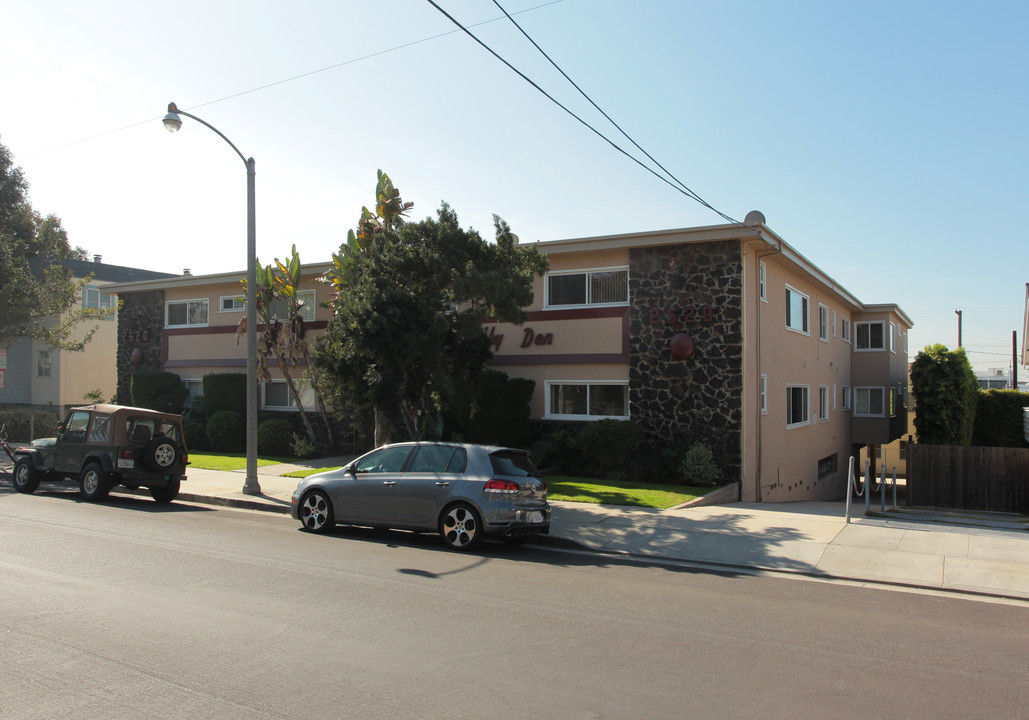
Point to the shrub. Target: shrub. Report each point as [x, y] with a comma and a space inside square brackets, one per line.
[998, 419]
[608, 444]
[946, 393]
[25, 425]
[558, 451]
[226, 432]
[158, 390]
[225, 391]
[301, 447]
[698, 465]
[274, 436]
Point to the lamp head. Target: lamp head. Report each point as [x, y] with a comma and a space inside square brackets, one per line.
[172, 121]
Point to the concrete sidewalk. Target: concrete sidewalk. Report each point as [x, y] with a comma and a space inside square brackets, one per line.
[929, 551]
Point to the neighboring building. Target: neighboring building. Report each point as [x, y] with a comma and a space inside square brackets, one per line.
[41, 377]
[995, 379]
[721, 333]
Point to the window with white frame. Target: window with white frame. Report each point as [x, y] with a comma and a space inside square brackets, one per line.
[604, 286]
[278, 397]
[186, 313]
[823, 323]
[587, 400]
[93, 299]
[796, 310]
[845, 329]
[306, 310]
[231, 303]
[870, 336]
[761, 286]
[764, 394]
[834, 323]
[869, 401]
[845, 397]
[797, 406]
[893, 338]
[823, 403]
[43, 363]
[834, 396]
[194, 390]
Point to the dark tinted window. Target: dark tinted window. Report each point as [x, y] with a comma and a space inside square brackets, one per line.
[431, 459]
[513, 464]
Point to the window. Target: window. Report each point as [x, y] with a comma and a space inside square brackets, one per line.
[797, 406]
[869, 401]
[893, 402]
[761, 275]
[823, 323]
[764, 394]
[845, 329]
[823, 403]
[277, 396]
[893, 338]
[834, 396]
[439, 459]
[845, 397]
[231, 304]
[583, 400]
[306, 310]
[42, 363]
[194, 390]
[869, 336]
[93, 299]
[595, 287]
[101, 430]
[385, 460]
[796, 310]
[186, 313]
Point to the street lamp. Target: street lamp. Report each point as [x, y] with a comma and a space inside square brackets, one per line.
[173, 122]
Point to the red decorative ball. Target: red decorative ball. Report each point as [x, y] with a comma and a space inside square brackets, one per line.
[136, 356]
[682, 346]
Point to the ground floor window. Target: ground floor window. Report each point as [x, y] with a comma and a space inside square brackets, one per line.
[587, 400]
[277, 396]
[194, 390]
[797, 405]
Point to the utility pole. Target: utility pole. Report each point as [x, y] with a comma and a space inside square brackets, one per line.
[959, 327]
[1014, 359]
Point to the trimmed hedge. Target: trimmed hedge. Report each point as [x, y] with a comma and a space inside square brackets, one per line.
[158, 390]
[275, 437]
[25, 425]
[609, 444]
[998, 419]
[226, 432]
[225, 391]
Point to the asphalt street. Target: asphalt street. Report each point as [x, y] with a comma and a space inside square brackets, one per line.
[128, 609]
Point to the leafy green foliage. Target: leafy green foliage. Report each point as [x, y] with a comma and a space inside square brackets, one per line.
[158, 390]
[493, 411]
[274, 436]
[225, 391]
[945, 392]
[226, 431]
[39, 299]
[608, 444]
[998, 419]
[25, 425]
[698, 466]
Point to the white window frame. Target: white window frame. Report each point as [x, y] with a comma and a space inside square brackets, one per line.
[549, 411]
[857, 334]
[191, 396]
[868, 390]
[893, 338]
[307, 310]
[762, 282]
[238, 304]
[823, 322]
[806, 413]
[834, 396]
[764, 394]
[805, 304]
[169, 303]
[101, 304]
[845, 329]
[823, 403]
[44, 363]
[587, 272]
[845, 397]
[307, 397]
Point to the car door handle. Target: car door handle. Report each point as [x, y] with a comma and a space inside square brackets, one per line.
[389, 482]
[443, 483]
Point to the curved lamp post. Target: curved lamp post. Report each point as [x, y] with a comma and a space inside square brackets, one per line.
[173, 122]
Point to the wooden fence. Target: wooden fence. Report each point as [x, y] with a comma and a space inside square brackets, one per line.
[969, 478]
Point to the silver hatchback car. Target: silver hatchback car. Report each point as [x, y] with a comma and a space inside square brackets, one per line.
[464, 492]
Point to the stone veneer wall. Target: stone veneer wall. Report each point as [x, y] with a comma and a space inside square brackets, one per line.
[140, 322]
[693, 289]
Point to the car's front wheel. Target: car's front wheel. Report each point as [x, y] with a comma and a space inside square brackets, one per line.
[461, 527]
[94, 483]
[26, 477]
[316, 512]
[165, 495]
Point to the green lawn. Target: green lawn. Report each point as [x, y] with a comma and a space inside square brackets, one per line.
[230, 461]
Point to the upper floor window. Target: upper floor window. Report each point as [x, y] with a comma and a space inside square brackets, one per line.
[609, 286]
[845, 397]
[186, 313]
[587, 400]
[870, 335]
[869, 401]
[796, 310]
[823, 403]
[797, 406]
[845, 329]
[43, 363]
[92, 298]
[306, 310]
[232, 303]
[761, 275]
[764, 394]
[823, 323]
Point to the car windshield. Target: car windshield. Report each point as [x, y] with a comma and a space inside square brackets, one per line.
[516, 464]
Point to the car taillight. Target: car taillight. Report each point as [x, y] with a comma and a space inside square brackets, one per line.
[127, 454]
[505, 487]
[185, 459]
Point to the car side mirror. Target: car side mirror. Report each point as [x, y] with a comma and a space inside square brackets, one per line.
[60, 427]
[351, 469]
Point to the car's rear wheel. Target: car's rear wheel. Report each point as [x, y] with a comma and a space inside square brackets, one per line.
[94, 483]
[161, 454]
[461, 527]
[26, 477]
[165, 495]
[316, 512]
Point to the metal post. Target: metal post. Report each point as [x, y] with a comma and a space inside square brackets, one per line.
[894, 487]
[882, 494]
[850, 485]
[868, 488]
[251, 486]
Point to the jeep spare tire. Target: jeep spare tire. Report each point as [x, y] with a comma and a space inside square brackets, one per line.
[161, 454]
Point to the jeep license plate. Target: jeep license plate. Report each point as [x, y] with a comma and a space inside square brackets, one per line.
[126, 464]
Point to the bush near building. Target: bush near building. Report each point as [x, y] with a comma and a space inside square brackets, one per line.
[946, 392]
[226, 431]
[25, 425]
[158, 390]
[998, 419]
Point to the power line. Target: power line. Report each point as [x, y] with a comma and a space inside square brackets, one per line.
[684, 190]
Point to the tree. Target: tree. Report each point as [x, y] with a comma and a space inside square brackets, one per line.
[38, 295]
[946, 393]
[409, 303]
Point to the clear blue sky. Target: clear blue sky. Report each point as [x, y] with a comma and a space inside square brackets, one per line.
[886, 141]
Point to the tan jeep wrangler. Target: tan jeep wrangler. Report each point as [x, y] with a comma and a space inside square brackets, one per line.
[101, 446]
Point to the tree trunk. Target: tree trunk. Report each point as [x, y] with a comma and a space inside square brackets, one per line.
[298, 402]
[381, 427]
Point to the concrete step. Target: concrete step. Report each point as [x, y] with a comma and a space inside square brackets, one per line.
[960, 518]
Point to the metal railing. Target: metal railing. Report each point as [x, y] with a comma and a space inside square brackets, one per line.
[867, 488]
